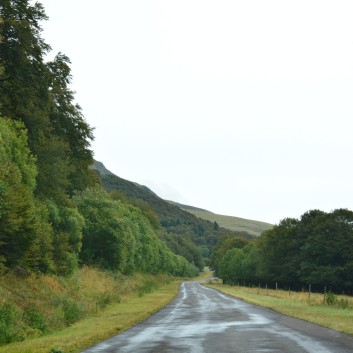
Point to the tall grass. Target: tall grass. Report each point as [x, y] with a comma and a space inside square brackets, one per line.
[311, 307]
[110, 321]
[38, 305]
[111, 302]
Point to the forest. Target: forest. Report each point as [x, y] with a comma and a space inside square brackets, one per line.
[54, 214]
[315, 249]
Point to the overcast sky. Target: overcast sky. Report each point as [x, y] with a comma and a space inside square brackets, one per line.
[240, 107]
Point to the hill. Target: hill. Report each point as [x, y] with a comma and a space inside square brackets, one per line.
[229, 222]
[174, 220]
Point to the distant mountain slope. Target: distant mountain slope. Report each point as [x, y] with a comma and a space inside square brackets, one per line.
[233, 223]
[172, 218]
[99, 166]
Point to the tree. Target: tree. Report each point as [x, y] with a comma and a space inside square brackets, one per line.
[37, 94]
[326, 256]
[224, 244]
[69, 124]
[67, 224]
[278, 253]
[119, 237]
[24, 93]
[231, 266]
[105, 240]
[185, 247]
[24, 233]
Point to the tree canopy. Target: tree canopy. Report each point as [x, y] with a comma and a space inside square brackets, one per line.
[53, 214]
[315, 249]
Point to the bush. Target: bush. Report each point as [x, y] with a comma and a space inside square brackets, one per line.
[105, 299]
[343, 303]
[331, 298]
[10, 329]
[72, 312]
[148, 287]
[35, 319]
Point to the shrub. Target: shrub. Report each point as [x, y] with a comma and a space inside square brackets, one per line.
[10, 329]
[331, 298]
[105, 299]
[72, 312]
[35, 319]
[148, 287]
[343, 303]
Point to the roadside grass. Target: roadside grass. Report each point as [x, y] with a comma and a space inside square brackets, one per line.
[130, 300]
[297, 304]
[106, 323]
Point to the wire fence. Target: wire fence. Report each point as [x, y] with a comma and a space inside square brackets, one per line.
[306, 294]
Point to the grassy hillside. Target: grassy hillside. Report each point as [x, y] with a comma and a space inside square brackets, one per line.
[173, 219]
[233, 223]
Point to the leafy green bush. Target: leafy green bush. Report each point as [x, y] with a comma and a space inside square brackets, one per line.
[10, 328]
[72, 311]
[105, 299]
[35, 319]
[147, 287]
[331, 298]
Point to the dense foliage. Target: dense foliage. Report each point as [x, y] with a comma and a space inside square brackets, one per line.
[39, 305]
[176, 223]
[53, 214]
[117, 236]
[316, 249]
[223, 245]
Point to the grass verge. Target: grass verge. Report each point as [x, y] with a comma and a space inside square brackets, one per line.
[110, 321]
[296, 304]
[139, 298]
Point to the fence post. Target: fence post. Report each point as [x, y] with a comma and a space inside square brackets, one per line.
[309, 290]
[325, 294]
[266, 290]
[276, 286]
[289, 291]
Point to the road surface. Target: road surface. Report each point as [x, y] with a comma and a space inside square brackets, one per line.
[203, 320]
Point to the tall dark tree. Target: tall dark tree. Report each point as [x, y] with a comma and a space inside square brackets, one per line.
[326, 256]
[24, 81]
[25, 234]
[278, 250]
[69, 124]
[38, 94]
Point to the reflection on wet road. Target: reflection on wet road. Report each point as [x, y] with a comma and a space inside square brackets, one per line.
[202, 320]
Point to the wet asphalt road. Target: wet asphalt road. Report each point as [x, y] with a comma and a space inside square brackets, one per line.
[202, 320]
